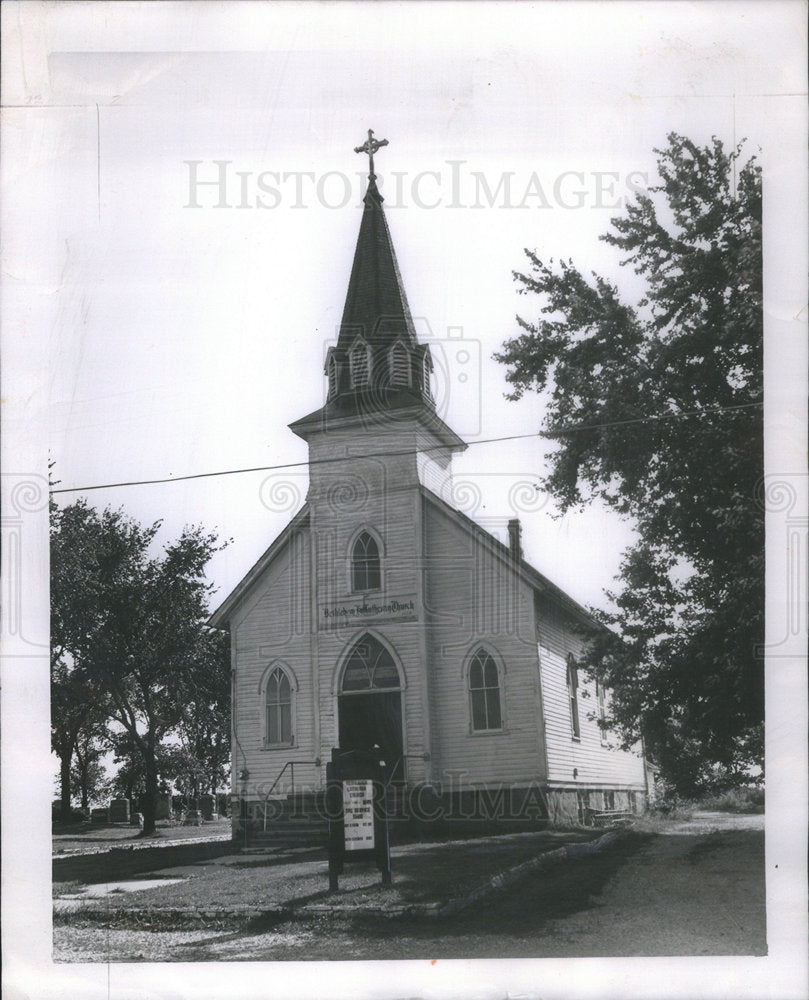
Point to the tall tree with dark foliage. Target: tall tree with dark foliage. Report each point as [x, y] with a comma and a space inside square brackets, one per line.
[132, 626]
[655, 408]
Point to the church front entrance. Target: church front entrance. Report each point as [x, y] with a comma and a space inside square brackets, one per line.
[369, 720]
[370, 703]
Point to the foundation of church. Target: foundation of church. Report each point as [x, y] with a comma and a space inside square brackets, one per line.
[422, 812]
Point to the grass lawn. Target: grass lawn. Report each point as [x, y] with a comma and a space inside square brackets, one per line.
[421, 873]
[70, 837]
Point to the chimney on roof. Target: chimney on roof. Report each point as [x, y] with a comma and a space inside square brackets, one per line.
[514, 538]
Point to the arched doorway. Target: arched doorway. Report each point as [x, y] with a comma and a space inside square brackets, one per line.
[370, 703]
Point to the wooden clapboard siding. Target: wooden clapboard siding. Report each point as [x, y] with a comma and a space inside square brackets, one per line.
[474, 598]
[273, 626]
[380, 494]
[593, 762]
[467, 591]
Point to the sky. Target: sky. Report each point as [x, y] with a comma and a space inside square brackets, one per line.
[198, 203]
[154, 327]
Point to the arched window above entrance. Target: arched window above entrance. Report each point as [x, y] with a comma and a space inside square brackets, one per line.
[369, 667]
[365, 571]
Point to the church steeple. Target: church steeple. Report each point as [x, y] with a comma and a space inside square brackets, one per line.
[377, 351]
[377, 366]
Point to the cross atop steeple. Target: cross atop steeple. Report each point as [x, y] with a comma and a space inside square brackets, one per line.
[371, 146]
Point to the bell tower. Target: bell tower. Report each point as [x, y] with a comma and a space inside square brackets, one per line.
[378, 397]
[373, 446]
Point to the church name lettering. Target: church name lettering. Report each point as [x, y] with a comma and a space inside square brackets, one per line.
[362, 610]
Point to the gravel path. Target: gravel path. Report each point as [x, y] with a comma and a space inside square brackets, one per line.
[685, 893]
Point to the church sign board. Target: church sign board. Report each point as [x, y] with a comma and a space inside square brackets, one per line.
[356, 784]
[358, 814]
[373, 610]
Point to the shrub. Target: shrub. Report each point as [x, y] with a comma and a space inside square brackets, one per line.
[745, 799]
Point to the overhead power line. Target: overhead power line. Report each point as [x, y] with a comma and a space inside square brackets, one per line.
[551, 432]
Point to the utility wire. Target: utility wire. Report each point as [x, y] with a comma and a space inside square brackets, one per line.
[550, 433]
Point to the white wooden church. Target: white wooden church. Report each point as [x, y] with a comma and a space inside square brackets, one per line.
[383, 616]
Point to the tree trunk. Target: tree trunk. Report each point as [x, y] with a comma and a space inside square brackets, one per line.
[149, 800]
[64, 782]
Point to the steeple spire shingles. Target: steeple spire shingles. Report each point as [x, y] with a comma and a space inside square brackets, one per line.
[378, 366]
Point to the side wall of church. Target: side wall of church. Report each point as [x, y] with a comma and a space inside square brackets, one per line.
[591, 759]
[474, 600]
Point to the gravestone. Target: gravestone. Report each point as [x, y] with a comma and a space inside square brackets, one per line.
[163, 806]
[136, 819]
[207, 806]
[119, 811]
[99, 816]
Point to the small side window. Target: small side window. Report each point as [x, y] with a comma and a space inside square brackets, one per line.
[484, 693]
[279, 709]
[573, 697]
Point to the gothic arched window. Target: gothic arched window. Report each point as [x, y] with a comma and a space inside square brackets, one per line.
[279, 709]
[399, 365]
[484, 692]
[360, 364]
[573, 697]
[369, 667]
[365, 570]
[601, 698]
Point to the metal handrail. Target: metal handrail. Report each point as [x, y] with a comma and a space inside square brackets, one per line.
[291, 765]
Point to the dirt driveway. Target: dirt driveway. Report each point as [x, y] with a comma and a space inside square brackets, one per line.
[698, 889]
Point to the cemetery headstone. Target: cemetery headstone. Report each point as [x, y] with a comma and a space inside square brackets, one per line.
[119, 811]
[163, 806]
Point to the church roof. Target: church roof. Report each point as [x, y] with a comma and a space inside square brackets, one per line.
[364, 411]
[540, 584]
[223, 614]
[377, 364]
[376, 304]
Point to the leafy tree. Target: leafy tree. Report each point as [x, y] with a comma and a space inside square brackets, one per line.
[129, 781]
[656, 411]
[77, 719]
[78, 706]
[204, 726]
[88, 776]
[135, 624]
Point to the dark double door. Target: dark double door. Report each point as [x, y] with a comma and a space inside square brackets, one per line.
[373, 719]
